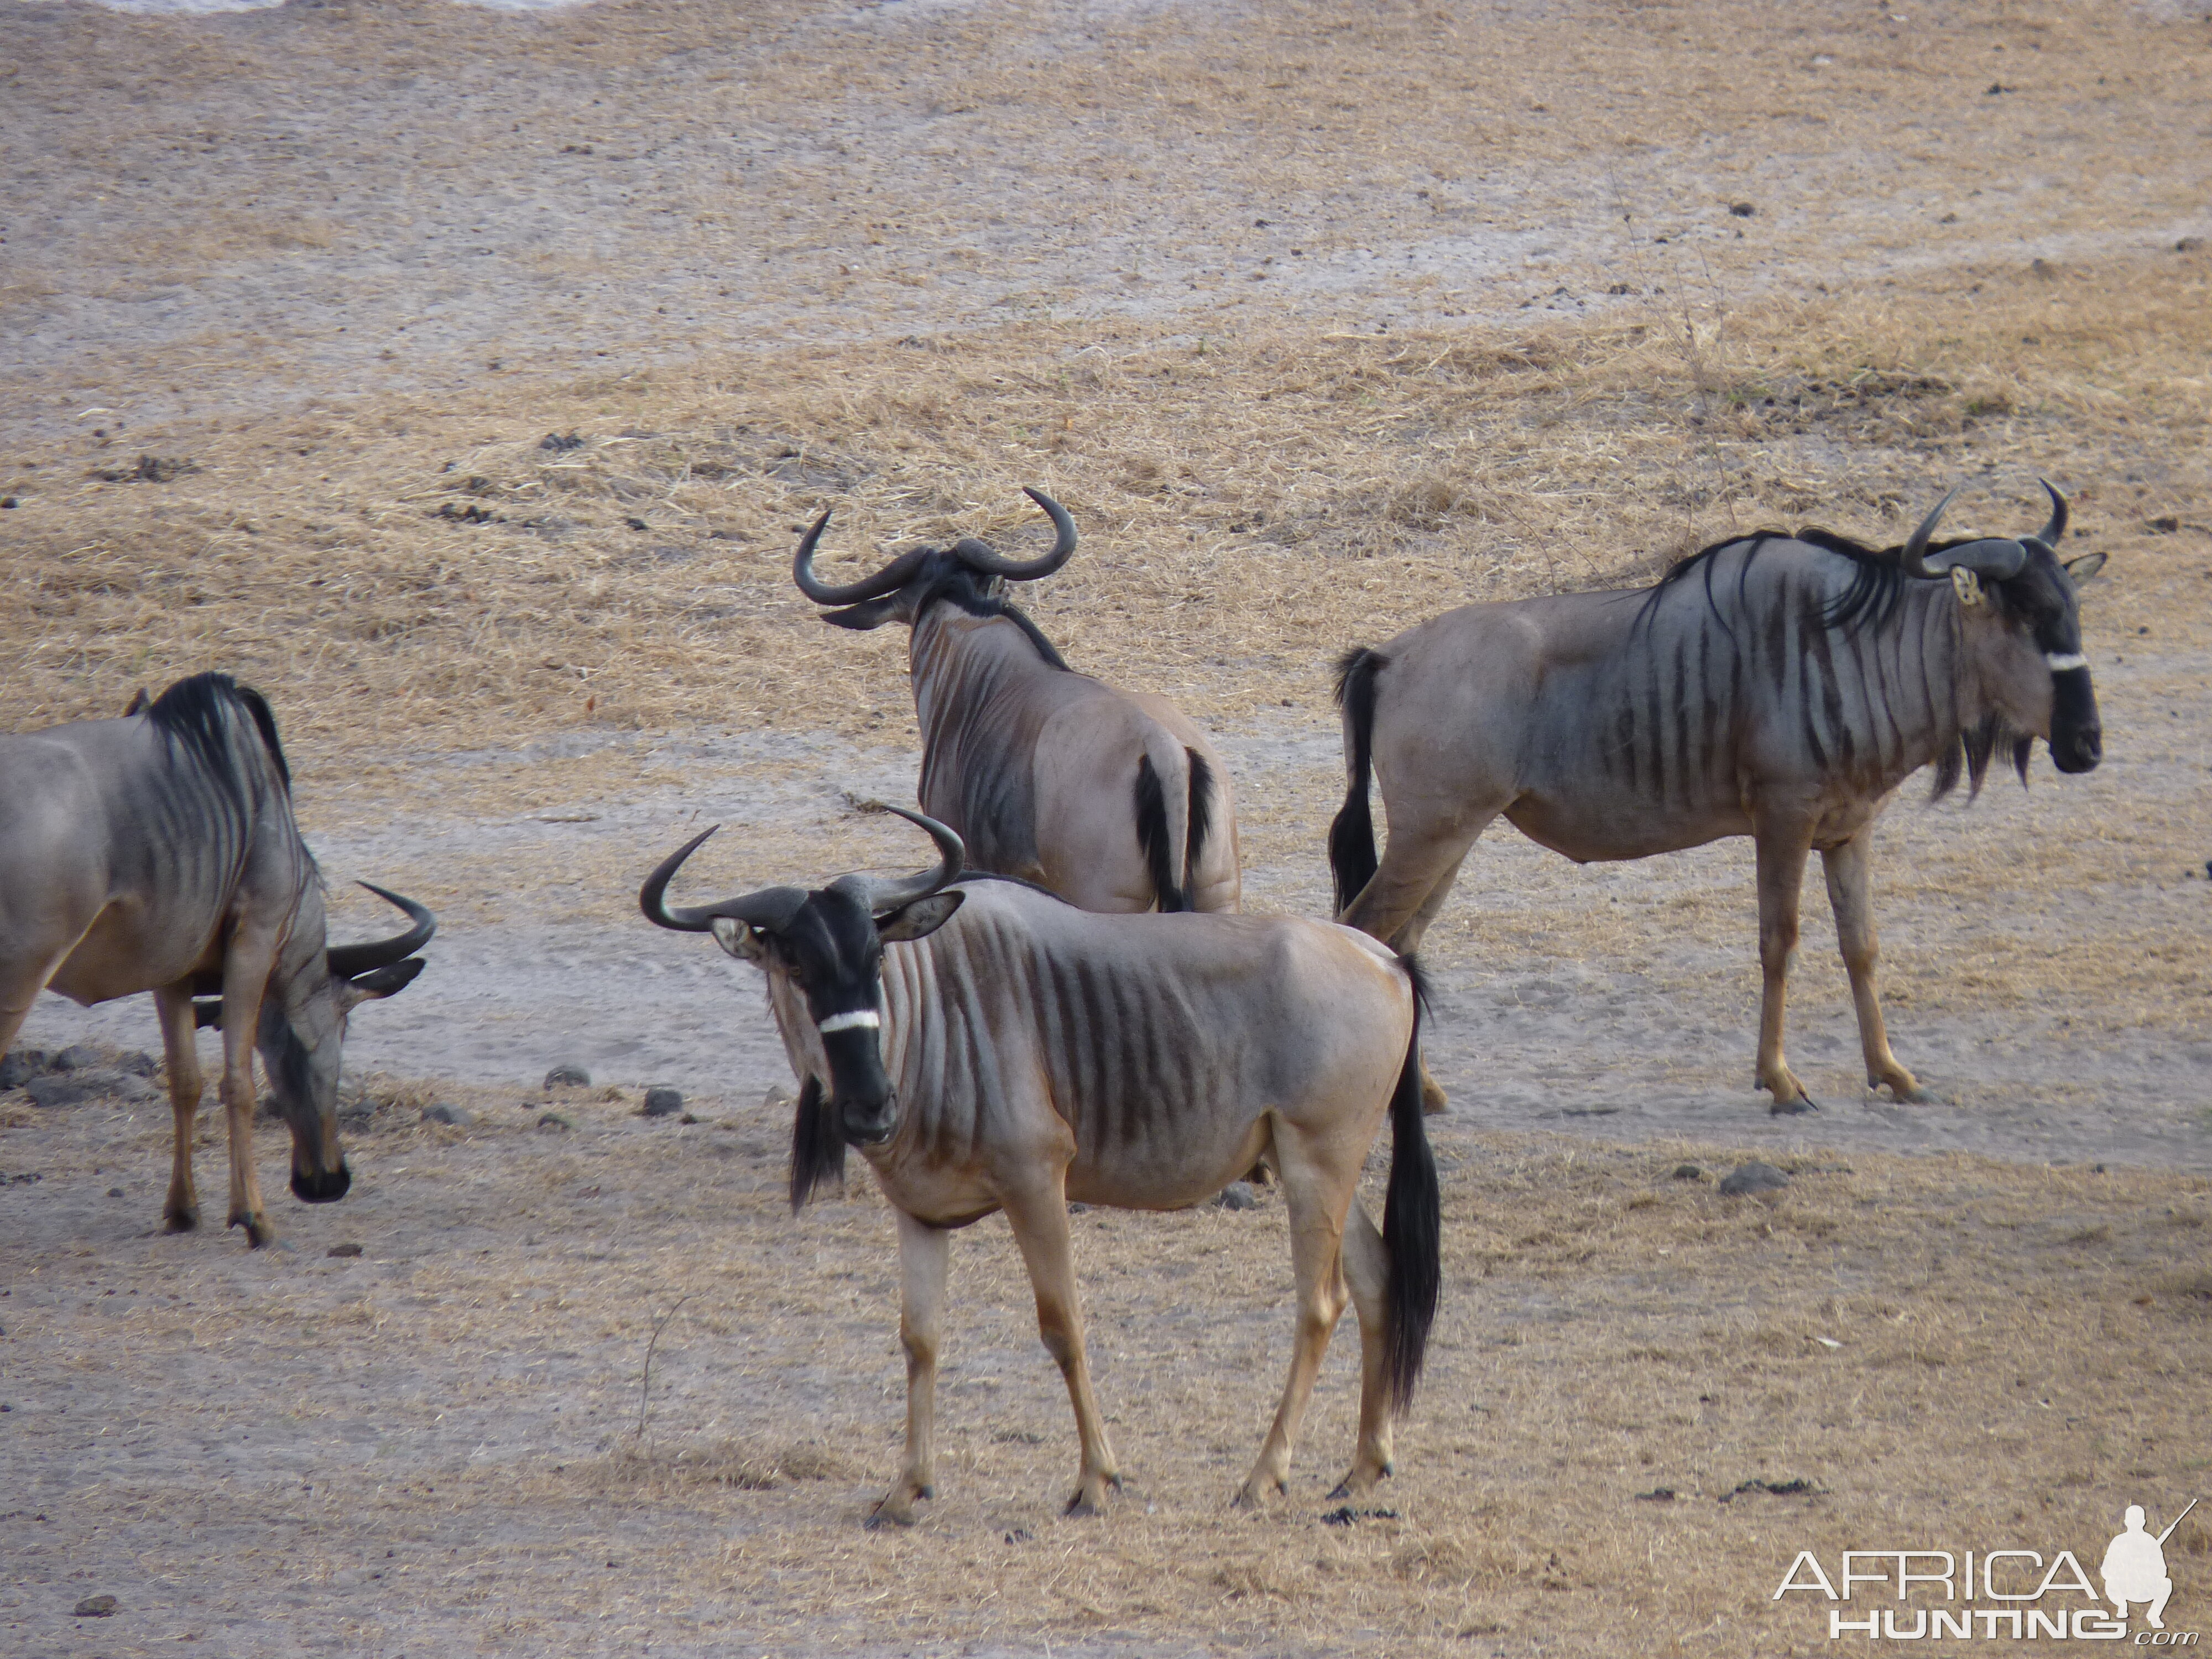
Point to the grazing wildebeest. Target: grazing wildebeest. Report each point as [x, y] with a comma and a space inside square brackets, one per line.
[1773, 687]
[1111, 798]
[157, 852]
[989, 1046]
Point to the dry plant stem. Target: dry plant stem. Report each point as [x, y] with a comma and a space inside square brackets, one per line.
[645, 1375]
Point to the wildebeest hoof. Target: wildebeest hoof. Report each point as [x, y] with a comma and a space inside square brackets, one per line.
[896, 1508]
[1356, 1483]
[1089, 1498]
[179, 1221]
[1916, 1096]
[1797, 1108]
[1249, 1495]
[258, 1231]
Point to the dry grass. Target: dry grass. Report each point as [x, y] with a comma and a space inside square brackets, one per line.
[2016, 1352]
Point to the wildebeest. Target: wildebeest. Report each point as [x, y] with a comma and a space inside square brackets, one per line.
[1111, 798]
[1770, 686]
[158, 852]
[989, 1046]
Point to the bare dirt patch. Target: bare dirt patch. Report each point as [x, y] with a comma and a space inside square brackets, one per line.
[460, 379]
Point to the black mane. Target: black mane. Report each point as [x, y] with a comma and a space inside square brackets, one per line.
[196, 712]
[964, 588]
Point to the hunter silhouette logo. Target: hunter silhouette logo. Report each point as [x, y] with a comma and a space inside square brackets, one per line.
[2135, 1567]
[2011, 1596]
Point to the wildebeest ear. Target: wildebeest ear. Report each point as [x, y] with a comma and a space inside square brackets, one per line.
[2087, 566]
[920, 919]
[139, 703]
[380, 983]
[874, 613]
[744, 943]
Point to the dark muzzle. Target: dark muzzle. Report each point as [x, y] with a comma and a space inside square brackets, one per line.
[865, 1124]
[2077, 740]
[321, 1189]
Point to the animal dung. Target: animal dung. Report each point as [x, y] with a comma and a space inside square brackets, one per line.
[1751, 1179]
[553, 1123]
[661, 1102]
[440, 1112]
[344, 1252]
[568, 1076]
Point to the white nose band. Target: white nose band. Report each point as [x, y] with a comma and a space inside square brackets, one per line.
[857, 1019]
[2059, 664]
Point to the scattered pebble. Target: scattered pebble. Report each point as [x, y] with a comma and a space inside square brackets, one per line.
[1019, 1535]
[2186, 245]
[1752, 1178]
[20, 1067]
[554, 1123]
[139, 1063]
[77, 1057]
[344, 1251]
[1657, 1495]
[568, 1076]
[74, 1088]
[115, 1191]
[1237, 1195]
[661, 1102]
[1741, 210]
[557, 442]
[440, 1112]
[1078, 1209]
[96, 1606]
[777, 1094]
[1688, 1172]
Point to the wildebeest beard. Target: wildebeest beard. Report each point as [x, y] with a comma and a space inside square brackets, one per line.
[1990, 735]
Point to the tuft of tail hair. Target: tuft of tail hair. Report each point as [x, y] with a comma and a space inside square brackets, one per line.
[818, 1148]
[1171, 888]
[1412, 1220]
[1352, 834]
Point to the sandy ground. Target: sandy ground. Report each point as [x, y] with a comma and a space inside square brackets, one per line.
[1367, 311]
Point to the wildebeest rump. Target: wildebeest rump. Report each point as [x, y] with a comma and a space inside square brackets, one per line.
[989, 1046]
[158, 852]
[1777, 687]
[1111, 798]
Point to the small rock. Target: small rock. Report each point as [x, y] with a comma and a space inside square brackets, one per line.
[558, 442]
[440, 1112]
[21, 1066]
[1688, 1172]
[1657, 1495]
[566, 1076]
[1074, 1208]
[1741, 210]
[554, 1123]
[77, 1057]
[75, 1088]
[96, 1606]
[777, 1094]
[2189, 245]
[344, 1251]
[1019, 1535]
[661, 1102]
[139, 1063]
[115, 1191]
[690, 1117]
[1237, 1195]
[1754, 1177]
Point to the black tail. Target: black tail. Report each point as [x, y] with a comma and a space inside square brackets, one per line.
[1201, 816]
[1351, 836]
[818, 1150]
[1152, 837]
[1412, 1220]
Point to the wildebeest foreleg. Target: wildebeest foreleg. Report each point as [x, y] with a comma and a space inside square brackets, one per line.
[246, 967]
[923, 1254]
[1039, 1218]
[181, 1213]
[1782, 850]
[1367, 1270]
[1849, 868]
[1316, 1195]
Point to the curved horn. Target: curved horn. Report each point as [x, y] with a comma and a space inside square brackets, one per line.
[885, 896]
[1917, 544]
[977, 557]
[892, 575]
[350, 961]
[1997, 558]
[770, 908]
[2053, 533]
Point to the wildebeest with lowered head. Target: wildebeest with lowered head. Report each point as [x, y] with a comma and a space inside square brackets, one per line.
[1775, 687]
[158, 852]
[1111, 798]
[989, 1046]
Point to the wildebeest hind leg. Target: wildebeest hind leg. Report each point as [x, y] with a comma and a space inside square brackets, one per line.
[1039, 1218]
[1316, 1195]
[1782, 851]
[246, 968]
[180, 1047]
[1408, 893]
[1849, 871]
[1367, 1270]
[923, 1252]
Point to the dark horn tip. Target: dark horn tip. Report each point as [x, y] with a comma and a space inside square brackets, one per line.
[650, 896]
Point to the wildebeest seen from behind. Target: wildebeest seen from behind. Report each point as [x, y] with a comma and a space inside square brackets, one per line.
[1111, 798]
[158, 852]
[1775, 687]
[989, 1046]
